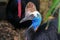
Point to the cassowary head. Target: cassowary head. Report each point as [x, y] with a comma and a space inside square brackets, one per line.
[30, 7]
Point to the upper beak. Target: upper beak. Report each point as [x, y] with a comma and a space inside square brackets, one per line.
[27, 18]
[23, 20]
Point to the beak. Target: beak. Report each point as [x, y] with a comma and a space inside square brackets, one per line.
[23, 20]
[27, 18]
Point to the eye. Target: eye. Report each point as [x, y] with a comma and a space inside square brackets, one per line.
[38, 15]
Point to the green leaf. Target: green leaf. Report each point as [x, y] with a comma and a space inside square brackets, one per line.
[54, 4]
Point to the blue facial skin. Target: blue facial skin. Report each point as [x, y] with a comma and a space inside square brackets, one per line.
[36, 22]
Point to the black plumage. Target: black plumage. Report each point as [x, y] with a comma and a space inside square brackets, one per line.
[41, 34]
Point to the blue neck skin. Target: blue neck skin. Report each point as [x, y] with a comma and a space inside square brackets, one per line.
[36, 22]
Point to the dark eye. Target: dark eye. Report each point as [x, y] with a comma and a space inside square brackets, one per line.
[38, 15]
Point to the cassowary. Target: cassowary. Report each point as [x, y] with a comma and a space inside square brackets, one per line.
[32, 33]
[12, 12]
[31, 13]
